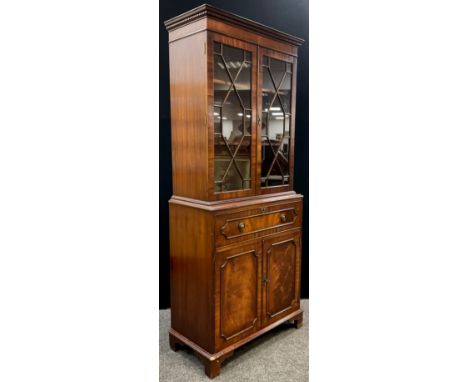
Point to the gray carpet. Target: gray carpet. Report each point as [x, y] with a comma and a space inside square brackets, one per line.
[278, 356]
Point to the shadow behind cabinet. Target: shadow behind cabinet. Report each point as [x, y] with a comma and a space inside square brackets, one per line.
[235, 221]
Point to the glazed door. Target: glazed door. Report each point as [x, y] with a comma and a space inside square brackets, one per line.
[276, 100]
[281, 276]
[237, 293]
[232, 85]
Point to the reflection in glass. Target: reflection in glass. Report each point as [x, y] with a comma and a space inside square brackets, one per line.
[276, 121]
[232, 117]
[277, 70]
[217, 120]
[285, 93]
[268, 92]
[234, 58]
[221, 80]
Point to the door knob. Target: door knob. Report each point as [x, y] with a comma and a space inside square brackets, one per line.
[283, 218]
[241, 226]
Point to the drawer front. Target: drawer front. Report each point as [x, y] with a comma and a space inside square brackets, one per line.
[256, 222]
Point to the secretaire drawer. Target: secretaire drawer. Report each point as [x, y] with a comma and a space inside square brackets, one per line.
[256, 221]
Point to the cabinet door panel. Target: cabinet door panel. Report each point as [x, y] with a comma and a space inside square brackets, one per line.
[237, 297]
[232, 77]
[276, 101]
[281, 276]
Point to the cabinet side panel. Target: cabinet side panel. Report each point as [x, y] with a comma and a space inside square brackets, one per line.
[189, 133]
[191, 243]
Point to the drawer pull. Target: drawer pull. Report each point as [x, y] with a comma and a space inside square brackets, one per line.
[241, 226]
[283, 218]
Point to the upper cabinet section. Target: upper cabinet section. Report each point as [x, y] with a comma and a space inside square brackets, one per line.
[232, 105]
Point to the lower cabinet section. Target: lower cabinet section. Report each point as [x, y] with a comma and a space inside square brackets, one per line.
[228, 288]
[255, 285]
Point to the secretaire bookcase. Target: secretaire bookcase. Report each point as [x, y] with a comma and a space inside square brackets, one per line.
[235, 221]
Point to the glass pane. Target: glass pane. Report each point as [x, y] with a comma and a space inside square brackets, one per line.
[217, 120]
[221, 80]
[283, 156]
[232, 180]
[232, 118]
[285, 93]
[264, 123]
[276, 123]
[277, 69]
[243, 85]
[217, 47]
[248, 121]
[287, 125]
[234, 58]
[221, 149]
[268, 90]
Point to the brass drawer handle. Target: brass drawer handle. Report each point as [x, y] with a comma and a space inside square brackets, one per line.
[283, 218]
[241, 226]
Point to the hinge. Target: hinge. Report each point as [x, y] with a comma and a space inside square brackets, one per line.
[205, 47]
